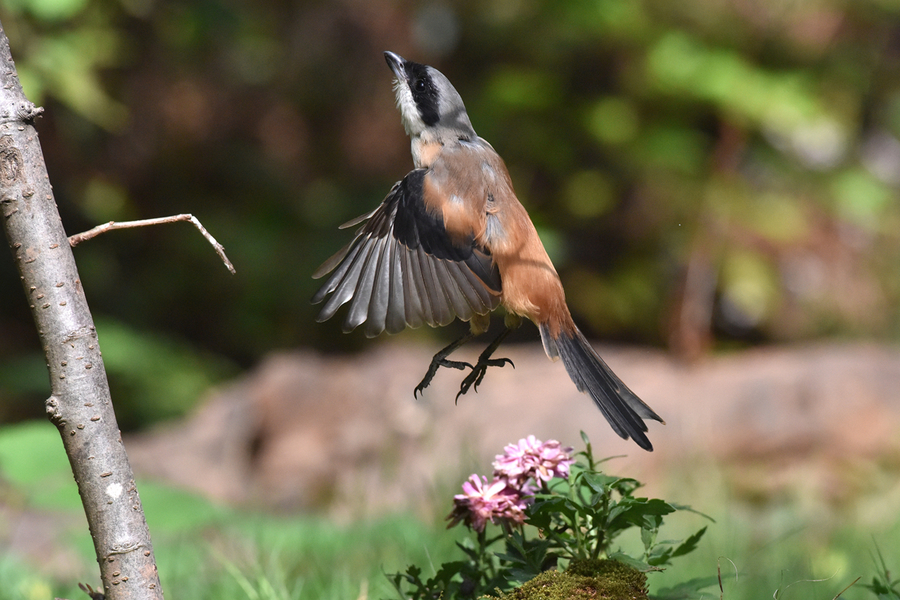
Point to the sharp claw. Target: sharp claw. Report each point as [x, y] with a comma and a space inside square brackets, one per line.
[432, 371]
[479, 380]
[479, 369]
[474, 379]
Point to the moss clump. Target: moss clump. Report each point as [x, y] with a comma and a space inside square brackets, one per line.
[584, 580]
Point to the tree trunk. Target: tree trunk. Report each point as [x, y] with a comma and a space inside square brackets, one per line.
[79, 404]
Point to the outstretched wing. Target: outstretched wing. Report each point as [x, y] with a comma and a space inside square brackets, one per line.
[402, 269]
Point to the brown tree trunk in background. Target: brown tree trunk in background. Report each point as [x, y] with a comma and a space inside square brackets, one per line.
[79, 404]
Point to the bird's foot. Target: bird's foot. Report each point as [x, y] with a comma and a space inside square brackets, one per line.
[473, 379]
[437, 362]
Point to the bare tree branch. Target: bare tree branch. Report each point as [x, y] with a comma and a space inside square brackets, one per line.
[76, 239]
[79, 403]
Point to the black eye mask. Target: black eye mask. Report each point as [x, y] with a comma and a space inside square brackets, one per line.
[424, 92]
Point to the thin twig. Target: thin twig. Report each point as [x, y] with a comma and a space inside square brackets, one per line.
[76, 239]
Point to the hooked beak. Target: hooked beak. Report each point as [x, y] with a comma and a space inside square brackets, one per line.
[396, 62]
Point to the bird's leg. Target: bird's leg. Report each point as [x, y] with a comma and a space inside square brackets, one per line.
[440, 360]
[474, 378]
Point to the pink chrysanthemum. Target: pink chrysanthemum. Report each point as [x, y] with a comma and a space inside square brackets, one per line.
[482, 502]
[533, 459]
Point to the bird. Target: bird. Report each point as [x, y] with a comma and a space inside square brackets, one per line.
[451, 240]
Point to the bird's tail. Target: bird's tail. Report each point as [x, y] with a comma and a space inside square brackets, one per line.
[621, 407]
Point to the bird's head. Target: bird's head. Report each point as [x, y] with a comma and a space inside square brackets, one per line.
[427, 100]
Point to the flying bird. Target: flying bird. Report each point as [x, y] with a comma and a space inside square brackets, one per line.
[451, 240]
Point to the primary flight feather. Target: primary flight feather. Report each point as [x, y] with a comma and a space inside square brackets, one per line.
[451, 240]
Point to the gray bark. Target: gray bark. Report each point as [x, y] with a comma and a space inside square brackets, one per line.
[79, 404]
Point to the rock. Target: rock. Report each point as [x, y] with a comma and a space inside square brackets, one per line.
[306, 431]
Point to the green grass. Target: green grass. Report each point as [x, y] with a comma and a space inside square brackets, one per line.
[779, 548]
[262, 557]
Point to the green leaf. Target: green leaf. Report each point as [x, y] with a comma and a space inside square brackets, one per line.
[686, 590]
[687, 508]
[599, 482]
[635, 509]
[648, 537]
[584, 438]
[633, 562]
[472, 553]
[690, 544]
[543, 512]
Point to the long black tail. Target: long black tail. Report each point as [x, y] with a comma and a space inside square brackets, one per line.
[621, 407]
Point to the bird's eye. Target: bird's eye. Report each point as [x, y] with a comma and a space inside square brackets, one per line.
[420, 85]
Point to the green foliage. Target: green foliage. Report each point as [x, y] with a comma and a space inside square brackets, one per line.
[638, 133]
[265, 584]
[153, 377]
[64, 62]
[206, 551]
[573, 521]
[33, 460]
[883, 585]
[31, 452]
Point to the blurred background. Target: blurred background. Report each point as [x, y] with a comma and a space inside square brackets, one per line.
[717, 173]
[710, 177]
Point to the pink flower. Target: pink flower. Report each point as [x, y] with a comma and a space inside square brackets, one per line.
[482, 502]
[533, 459]
[518, 475]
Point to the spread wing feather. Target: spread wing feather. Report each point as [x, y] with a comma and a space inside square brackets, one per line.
[402, 269]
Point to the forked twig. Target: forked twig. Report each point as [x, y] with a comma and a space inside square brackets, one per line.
[76, 239]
